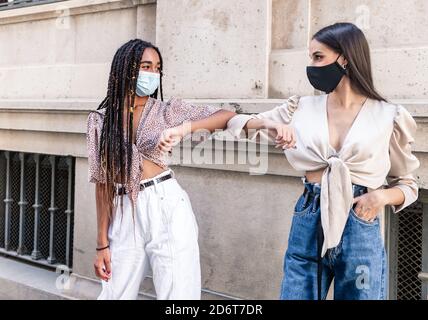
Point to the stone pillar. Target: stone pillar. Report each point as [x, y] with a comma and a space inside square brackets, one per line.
[214, 48]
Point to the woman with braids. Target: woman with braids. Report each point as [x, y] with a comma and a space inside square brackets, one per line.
[144, 217]
[355, 150]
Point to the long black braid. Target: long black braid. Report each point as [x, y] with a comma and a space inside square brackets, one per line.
[115, 149]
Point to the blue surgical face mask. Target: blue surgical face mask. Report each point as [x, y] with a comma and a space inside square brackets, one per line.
[147, 83]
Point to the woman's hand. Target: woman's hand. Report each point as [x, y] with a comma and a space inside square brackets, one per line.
[285, 134]
[102, 264]
[369, 205]
[171, 137]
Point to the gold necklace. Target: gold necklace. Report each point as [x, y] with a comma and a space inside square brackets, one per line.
[131, 109]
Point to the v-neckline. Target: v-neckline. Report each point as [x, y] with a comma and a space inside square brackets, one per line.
[143, 114]
[350, 128]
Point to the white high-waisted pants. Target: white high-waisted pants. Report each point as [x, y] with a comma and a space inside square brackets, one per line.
[166, 236]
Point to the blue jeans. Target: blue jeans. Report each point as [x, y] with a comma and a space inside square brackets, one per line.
[357, 264]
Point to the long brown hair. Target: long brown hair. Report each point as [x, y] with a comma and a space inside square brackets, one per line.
[347, 39]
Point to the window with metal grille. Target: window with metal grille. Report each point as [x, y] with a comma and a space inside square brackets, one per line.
[14, 4]
[36, 211]
[407, 252]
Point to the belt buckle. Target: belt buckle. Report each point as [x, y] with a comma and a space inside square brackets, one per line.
[172, 173]
[142, 186]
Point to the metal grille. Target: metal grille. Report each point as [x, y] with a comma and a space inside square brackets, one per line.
[406, 250]
[2, 196]
[14, 194]
[30, 178]
[409, 286]
[36, 214]
[45, 190]
[8, 4]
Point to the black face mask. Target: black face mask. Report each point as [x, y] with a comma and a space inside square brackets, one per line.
[325, 78]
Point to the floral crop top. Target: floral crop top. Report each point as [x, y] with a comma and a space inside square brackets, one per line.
[156, 117]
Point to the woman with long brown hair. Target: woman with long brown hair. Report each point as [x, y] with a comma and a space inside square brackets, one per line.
[144, 217]
[348, 141]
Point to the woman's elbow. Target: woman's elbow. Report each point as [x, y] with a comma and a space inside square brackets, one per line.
[226, 115]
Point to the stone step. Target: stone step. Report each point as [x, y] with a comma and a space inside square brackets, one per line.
[23, 281]
[20, 280]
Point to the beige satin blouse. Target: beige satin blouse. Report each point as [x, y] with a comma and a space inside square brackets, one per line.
[376, 149]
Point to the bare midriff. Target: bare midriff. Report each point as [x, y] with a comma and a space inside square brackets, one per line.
[314, 176]
[151, 169]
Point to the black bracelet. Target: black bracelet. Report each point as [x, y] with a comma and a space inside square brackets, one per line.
[99, 249]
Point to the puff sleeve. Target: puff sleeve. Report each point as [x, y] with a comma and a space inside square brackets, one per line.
[93, 133]
[179, 111]
[282, 113]
[403, 162]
